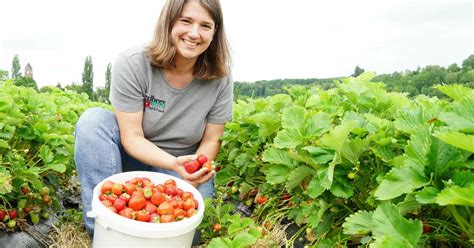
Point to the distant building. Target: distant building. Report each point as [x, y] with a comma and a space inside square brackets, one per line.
[28, 71]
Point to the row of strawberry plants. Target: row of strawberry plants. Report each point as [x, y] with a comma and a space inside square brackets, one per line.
[36, 150]
[355, 165]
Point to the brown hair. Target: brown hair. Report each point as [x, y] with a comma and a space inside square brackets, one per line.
[214, 63]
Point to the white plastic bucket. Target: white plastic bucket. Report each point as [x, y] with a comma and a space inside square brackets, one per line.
[113, 230]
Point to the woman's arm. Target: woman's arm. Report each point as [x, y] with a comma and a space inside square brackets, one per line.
[210, 142]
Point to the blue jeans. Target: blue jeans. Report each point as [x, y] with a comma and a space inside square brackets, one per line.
[98, 154]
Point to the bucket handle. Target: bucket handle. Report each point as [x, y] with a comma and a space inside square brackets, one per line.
[93, 214]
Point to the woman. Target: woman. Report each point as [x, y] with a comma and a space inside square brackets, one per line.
[171, 100]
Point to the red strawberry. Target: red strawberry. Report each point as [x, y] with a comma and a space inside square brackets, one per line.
[202, 159]
[192, 166]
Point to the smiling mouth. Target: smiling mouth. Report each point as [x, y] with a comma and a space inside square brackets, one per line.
[190, 44]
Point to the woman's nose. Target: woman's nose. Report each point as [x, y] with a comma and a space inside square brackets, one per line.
[194, 31]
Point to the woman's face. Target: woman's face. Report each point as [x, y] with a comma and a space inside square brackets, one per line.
[192, 32]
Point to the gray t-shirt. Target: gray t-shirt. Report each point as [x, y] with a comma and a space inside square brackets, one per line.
[173, 119]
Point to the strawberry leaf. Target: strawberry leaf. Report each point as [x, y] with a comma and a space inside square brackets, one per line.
[455, 91]
[359, 223]
[288, 138]
[460, 140]
[455, 195]
[297, 175]
[314, 188]
[387, 222]
[243, 240]
[276, 174]
[277, 156]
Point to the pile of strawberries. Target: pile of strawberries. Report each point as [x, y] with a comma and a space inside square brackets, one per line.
[139, 199]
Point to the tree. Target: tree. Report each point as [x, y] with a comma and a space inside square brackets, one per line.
[357, 71]
[100, 94]
[59, 86]
[25, 82]
[75, 87]
[16, 67]
[88, 78]
[108, 79]
[468, 63]
[453, 68]
[3, 75]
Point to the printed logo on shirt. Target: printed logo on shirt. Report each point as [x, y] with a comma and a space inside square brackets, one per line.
[155, 104]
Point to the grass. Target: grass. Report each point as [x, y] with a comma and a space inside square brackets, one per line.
[69, 235]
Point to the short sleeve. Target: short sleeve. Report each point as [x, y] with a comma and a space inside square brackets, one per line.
[126, 89]
[221, 112]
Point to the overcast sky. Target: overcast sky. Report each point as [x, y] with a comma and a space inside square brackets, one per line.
[270, 39]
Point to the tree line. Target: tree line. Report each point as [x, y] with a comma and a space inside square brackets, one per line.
[100, 94]
[419, 81]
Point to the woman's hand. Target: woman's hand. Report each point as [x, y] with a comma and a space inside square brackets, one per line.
[198, 177]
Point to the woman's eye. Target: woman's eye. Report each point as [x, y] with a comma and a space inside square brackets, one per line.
[207, 26]
[185, 21]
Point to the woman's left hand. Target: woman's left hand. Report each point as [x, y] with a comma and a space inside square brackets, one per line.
[196, 178]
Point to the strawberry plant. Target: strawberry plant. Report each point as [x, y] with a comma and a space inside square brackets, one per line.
[355, 153]
[36, 148]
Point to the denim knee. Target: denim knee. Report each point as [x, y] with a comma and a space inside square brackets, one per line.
[94, 117]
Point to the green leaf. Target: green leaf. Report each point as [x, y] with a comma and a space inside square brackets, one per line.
[389, 242]
[359, 223]
[293, 118]
[61, 168]
[427, 195]
[410, 120]
[465, 109]
[4, 144]
[277, 156]
[46, 154]
[457, 122]
[243, 240]
[419, 146]
[460, 140]
[338, 136]
[319, 155]
[318, 124]
[354, 148]
[324, 176]
[463, 178]
[276, 174]
[266, 122]
[408, 204]
[455, 91]
[297, 175]
[401, 180]
[443, 156]
[254, 232]
[341, 188]
[387, 222]
[223, 176]
[280, 101]
[288, 138]
[455, 195]
[220, 243]
[314, 188]
[5, 182]
[313, 101]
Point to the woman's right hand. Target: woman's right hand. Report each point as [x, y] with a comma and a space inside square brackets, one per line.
[198, 177]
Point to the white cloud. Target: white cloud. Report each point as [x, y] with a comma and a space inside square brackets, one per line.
[270, 38]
